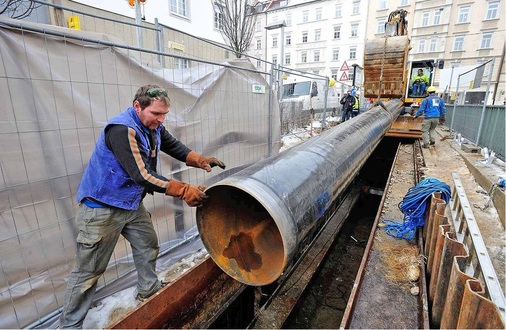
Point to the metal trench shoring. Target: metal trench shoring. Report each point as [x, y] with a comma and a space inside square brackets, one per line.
[255, 221]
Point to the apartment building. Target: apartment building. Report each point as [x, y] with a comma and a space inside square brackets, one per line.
[321, 37]
[326, 37]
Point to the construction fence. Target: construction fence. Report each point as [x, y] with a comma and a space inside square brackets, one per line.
[481, 125]
[59, 87]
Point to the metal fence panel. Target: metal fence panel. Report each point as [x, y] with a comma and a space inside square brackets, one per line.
[59, 87]
[467, 121]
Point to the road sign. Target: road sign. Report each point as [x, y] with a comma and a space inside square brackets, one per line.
[345, 67]
[344, 76]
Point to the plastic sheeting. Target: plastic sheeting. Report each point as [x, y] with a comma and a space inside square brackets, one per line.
[58, 88]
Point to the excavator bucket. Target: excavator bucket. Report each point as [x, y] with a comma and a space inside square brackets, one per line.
[385, 67]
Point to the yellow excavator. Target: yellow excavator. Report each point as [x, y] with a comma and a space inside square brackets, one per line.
[387, 73]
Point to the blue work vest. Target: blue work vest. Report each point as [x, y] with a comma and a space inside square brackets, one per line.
[104, 179]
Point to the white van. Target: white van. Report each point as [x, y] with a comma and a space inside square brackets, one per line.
[300, 95]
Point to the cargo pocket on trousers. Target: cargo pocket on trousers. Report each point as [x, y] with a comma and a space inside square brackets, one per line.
[87, 251]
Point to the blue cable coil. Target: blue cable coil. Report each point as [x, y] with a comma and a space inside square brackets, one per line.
[413, 206]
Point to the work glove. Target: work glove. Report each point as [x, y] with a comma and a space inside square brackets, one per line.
[442, 120]
[205, 163]
[192, 195]
[414, 117]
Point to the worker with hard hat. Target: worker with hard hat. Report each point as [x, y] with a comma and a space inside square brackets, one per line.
[433, 109]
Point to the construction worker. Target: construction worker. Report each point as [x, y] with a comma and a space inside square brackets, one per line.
[121, 171]
[348, 101]
[356, 106]
[433, 109]
[420, 81]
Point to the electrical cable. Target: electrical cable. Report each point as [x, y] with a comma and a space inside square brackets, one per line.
[413, 206]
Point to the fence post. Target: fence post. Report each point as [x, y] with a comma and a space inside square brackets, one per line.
[269, 139]
[455, 103]
[485, 102]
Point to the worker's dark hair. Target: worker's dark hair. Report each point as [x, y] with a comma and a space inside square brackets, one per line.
[146, 94]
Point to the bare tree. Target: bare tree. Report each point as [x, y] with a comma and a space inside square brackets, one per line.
[17, 9]
[234, 19]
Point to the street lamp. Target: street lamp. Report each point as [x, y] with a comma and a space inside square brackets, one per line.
[273, 26]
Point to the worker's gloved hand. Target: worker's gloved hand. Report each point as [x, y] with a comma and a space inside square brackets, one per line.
[205, 163]
[442, 120]
[192, 195]
[414, 117]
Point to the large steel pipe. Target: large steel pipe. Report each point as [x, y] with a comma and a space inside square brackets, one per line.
[254, 221]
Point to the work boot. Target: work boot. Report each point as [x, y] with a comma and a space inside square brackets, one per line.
[425, 146]
[432, 143]
[142, 298]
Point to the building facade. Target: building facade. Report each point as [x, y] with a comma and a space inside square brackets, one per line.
[327, 37]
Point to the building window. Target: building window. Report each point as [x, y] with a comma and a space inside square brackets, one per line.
[354, 29]
[274, 59]
[404, 2]
[338, 10]
[318, 14]
[288, 59]
[178, 7]
[317, 35]
[288, 40]
[356, 8]
[337, 32]
[305, 16]
[335, 54]
[350, 76]
[464, 14]
[274, 41]
[433, 45]
[180, 63]
[425, 18]
[304, 36]
[421, 46]
[458, 43]
[382, 4]
[437, 17]
[353, 53]
[492, 9]
[486, 40]
[334, 74]
[218, 18]
[303, 57]
[259, 43]
[380, 26]
[288, 20]
[259, 63]
[258, 26]
[316, 56]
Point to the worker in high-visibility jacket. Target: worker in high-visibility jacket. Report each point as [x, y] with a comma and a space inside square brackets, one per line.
[420, 82]
[356, 107]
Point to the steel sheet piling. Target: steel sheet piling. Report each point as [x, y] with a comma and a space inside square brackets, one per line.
[254, 221]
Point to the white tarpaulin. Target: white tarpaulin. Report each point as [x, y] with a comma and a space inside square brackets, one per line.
[58, 88]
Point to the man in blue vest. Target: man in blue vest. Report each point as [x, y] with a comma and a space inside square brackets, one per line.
[434, 109]
[121, 171]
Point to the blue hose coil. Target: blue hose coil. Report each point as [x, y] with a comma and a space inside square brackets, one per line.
[413, 206]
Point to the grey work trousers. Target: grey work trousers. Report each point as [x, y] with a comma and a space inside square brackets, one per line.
[99, 230]
[429, 130]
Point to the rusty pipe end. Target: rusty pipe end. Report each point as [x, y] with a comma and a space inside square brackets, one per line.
[241, 236]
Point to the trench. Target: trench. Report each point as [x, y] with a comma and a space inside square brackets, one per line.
[324, 299]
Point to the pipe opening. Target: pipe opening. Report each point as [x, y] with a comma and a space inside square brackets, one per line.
[241, 236]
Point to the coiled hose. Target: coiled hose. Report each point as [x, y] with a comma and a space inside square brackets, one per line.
[413, 206]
